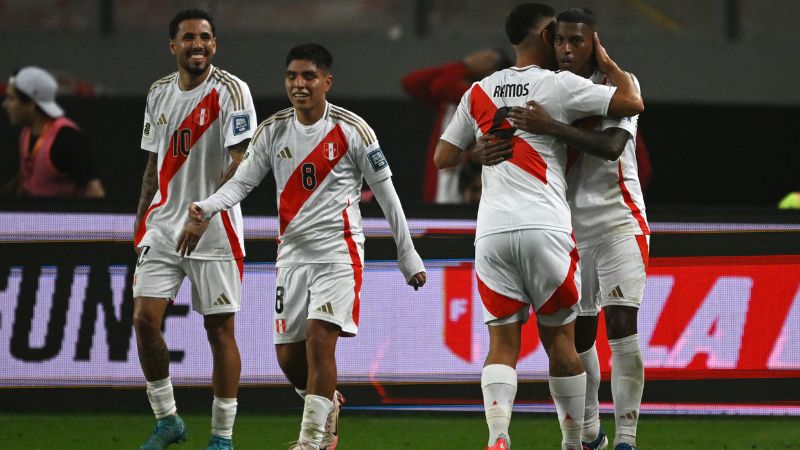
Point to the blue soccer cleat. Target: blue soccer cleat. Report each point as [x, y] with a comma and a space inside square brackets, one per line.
[600, 442]
[624, 446]
[220, 443]
[169, 430]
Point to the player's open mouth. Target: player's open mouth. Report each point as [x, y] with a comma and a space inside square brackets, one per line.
[198, 57]
[300, 95]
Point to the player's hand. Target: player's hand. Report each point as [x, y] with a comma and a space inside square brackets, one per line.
[604, 62]
[533, 118]
[192, 233]
[490, 150]
[196, 214]
[418, 280]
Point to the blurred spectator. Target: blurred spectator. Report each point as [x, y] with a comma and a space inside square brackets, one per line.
[55, 157]
[442, 87]
[469, 182]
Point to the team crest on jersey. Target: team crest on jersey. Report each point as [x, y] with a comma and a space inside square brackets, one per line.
[377, 160]
[241, 123]
[201, 116]
[331, 150]
[280, 326]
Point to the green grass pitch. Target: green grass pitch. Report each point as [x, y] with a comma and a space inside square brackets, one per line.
[386, 431]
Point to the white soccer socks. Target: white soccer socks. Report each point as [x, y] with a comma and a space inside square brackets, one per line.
[223, 413]
[499, 385]
[627, 384]
[315, 413]
[161, 398]
[569, 395]
[300, 392]
[591, 412]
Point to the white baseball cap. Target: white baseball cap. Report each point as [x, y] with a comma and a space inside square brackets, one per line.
[40, 86]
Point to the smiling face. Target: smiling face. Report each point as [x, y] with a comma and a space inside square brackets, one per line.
[194, 45]
[306, 85]
[574, 48]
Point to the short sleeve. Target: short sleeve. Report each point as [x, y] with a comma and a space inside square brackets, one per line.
[629, 124]
[240, 115]
[579, 97]
[148, 130]
[462, 128]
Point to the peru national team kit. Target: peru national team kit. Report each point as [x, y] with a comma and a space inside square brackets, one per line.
[524, 250]
[191, 131]
[608, 214]
[318, 170]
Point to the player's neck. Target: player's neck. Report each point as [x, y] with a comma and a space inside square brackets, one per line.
[310, 116]
[530, 58]
[188, 81]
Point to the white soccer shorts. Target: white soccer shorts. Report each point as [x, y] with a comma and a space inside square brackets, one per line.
[216, 284]
[523, 268]
[613, 272]
[328, 292]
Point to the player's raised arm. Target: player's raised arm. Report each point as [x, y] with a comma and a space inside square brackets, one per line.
[627, 100]
[607, 144]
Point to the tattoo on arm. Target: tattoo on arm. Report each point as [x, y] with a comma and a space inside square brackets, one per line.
[237, 153]
[149, 187]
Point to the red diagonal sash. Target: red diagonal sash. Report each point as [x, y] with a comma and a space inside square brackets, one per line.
[525, 157]
[295, 194]
[173, 160]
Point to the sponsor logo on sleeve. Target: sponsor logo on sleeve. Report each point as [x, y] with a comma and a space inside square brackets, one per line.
[241, 124]
[147, 131]
[377, 160]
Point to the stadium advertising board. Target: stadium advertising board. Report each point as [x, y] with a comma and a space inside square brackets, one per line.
[725, 317]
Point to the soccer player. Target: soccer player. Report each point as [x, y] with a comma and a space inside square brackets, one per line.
[608, 215]
[192, 116]
[318, 153]
[524, 252]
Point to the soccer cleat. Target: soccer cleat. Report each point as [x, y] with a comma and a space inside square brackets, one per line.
[169, 430]
[624, 446]
[600, 443]
[330, 437]
[501, 443]
[303, 445]
[220, 443]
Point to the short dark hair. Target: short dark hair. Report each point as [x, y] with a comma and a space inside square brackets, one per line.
[577, 15]
[315, 53]
[188, 14]
[524, 17]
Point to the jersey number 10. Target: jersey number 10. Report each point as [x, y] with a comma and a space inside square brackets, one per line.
[181, 142]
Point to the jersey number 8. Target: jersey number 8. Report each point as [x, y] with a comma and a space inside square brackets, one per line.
[309, 172]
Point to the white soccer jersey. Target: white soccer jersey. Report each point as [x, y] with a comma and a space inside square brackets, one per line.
[605, 196]
[318, 172]
[528, 190]
[190, 131]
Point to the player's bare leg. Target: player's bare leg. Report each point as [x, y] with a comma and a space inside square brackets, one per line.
[148, 314]
[499, 381]
[220, 331]
[294, 364]
[592, 435]
[627, 370]
[567, 380]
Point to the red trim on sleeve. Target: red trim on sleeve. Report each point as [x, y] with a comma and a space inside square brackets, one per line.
[173, 160]
[324, 158]
[483, 110]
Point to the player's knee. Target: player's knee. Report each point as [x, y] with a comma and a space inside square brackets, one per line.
[621, 321]
[146, 323]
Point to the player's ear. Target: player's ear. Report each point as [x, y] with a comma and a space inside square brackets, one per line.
[172, 46]
[328, 82]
